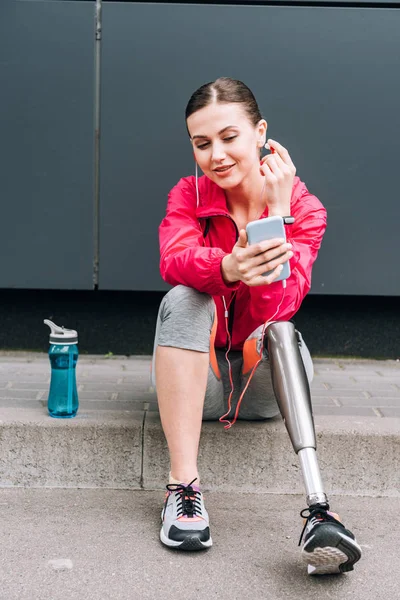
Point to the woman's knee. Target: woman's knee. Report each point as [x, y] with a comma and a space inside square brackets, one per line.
[183, 301]
[185, 319]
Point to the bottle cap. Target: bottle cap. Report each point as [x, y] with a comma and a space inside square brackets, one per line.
[59, 335]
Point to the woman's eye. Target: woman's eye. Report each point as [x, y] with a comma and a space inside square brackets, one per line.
[206, 144]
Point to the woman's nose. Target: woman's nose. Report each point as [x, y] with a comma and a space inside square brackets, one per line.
[218, 152]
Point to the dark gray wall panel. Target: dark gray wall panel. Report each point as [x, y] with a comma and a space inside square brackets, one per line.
[46, 148]
[326, 80]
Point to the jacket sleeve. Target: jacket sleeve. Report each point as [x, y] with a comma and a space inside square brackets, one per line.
[183, 257]
[306, 236]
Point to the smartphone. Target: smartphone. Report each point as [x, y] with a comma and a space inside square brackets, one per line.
[268, 229]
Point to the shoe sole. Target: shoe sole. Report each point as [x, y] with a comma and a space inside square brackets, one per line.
[326, 560]
[190, 544]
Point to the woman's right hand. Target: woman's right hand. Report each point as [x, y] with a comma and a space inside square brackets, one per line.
[248, 263]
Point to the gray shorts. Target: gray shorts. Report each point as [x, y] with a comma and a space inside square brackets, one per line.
[185, 320]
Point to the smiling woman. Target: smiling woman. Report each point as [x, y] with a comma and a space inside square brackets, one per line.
[223, 332]
[223, 122]
[224, 151]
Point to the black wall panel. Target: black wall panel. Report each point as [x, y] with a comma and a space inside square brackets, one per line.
[46, 145]
[326, 80]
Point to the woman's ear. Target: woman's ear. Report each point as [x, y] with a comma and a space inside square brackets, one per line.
[262, 133]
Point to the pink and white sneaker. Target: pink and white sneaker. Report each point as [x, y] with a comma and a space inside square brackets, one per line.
[185, 522]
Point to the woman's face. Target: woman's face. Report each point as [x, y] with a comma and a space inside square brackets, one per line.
[226, 144]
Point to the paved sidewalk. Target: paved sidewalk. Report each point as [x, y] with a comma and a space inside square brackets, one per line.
[341, 387]
[104, 544]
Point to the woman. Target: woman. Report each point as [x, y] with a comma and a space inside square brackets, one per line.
[211, 325]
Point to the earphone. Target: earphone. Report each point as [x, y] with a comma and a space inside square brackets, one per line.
[224, 418]
[197, 185]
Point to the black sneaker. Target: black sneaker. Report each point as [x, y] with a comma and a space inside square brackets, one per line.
[328, 546]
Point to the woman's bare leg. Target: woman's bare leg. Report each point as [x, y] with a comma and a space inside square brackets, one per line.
[184, 334]
[181, 377]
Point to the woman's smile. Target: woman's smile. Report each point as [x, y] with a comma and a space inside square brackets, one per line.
[224, 171]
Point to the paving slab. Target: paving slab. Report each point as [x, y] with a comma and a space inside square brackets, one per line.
[346, 382]
[103, 544]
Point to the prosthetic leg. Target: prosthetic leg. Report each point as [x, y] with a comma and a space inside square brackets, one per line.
[328, 547]
[292, 393]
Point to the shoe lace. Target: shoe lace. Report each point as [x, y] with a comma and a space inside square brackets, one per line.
[316, 514]
[189, 502]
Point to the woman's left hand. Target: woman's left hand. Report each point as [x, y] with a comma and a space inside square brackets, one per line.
[279, 172]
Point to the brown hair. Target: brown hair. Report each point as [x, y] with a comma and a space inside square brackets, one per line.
[224, 90]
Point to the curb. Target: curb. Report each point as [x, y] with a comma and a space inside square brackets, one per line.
[127, 450]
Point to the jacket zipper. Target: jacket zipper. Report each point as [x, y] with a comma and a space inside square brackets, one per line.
[232, 304]
[230, 320]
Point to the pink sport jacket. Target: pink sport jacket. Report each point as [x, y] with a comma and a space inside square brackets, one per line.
[194, 240]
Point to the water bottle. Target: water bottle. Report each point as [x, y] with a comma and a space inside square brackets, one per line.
[63, 354]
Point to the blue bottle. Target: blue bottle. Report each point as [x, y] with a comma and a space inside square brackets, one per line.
[63, 353]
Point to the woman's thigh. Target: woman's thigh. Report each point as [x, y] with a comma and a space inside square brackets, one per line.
[259, 401]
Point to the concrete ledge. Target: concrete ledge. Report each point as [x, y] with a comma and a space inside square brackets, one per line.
[357, 455]
[127, 450]
[87, 451]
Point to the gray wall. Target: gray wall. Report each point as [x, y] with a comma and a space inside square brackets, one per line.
[46, 145]
[325, 78]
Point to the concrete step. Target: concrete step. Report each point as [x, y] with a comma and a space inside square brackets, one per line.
[128, 451]
[116, 440]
